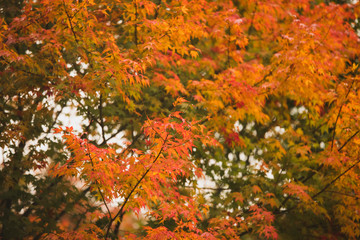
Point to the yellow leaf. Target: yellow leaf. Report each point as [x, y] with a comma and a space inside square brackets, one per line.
[194, 54]
[184, 9]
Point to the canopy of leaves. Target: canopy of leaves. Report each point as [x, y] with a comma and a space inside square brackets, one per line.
[199, 119]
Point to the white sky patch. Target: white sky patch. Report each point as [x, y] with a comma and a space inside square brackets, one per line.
[219, 164]
[69, 118]
[226, 173]
[212, 162]
[269, 174]
[73, 73]
[224, 194]
[231, 156]
[28, 52]
[238, 126]
[216, 177]
[250, 125]
[269, 134]
[242, 156]
[84, 65]
[293, 111]
[279, 130]
[255, 163]
[252, 160]
[302, 110]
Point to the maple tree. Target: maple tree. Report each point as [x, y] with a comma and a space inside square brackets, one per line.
[258, 99]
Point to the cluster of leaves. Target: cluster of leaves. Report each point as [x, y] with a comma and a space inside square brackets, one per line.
[142, 179]
[259, 98]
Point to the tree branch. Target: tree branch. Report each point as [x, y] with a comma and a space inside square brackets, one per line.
[228, 47]
[157, 10]
[97, 184]
[338, 116]
[347, 141]
[316, 171]
[345, 194]
[121, 128]
[252, 19]
[135, 30]
[335, 179]
[102, 120]
[71, 26]
[120, 212]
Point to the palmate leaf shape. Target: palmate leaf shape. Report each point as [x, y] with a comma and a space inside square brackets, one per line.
[276, 83]
[142, 180]
[88, 232]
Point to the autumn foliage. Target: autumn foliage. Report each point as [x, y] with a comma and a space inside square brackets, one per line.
[161, 119]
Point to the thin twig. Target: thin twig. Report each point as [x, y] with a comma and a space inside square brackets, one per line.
[136, 30]
[71, 26]
[121, 128]
[97, 184]
[347, 141]
[132, 144]
[252, 19]
[157, 10]
[102, 119]
[120, 212]
[228, 48]
[345, 194]
[335, 179]
[338, 116]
